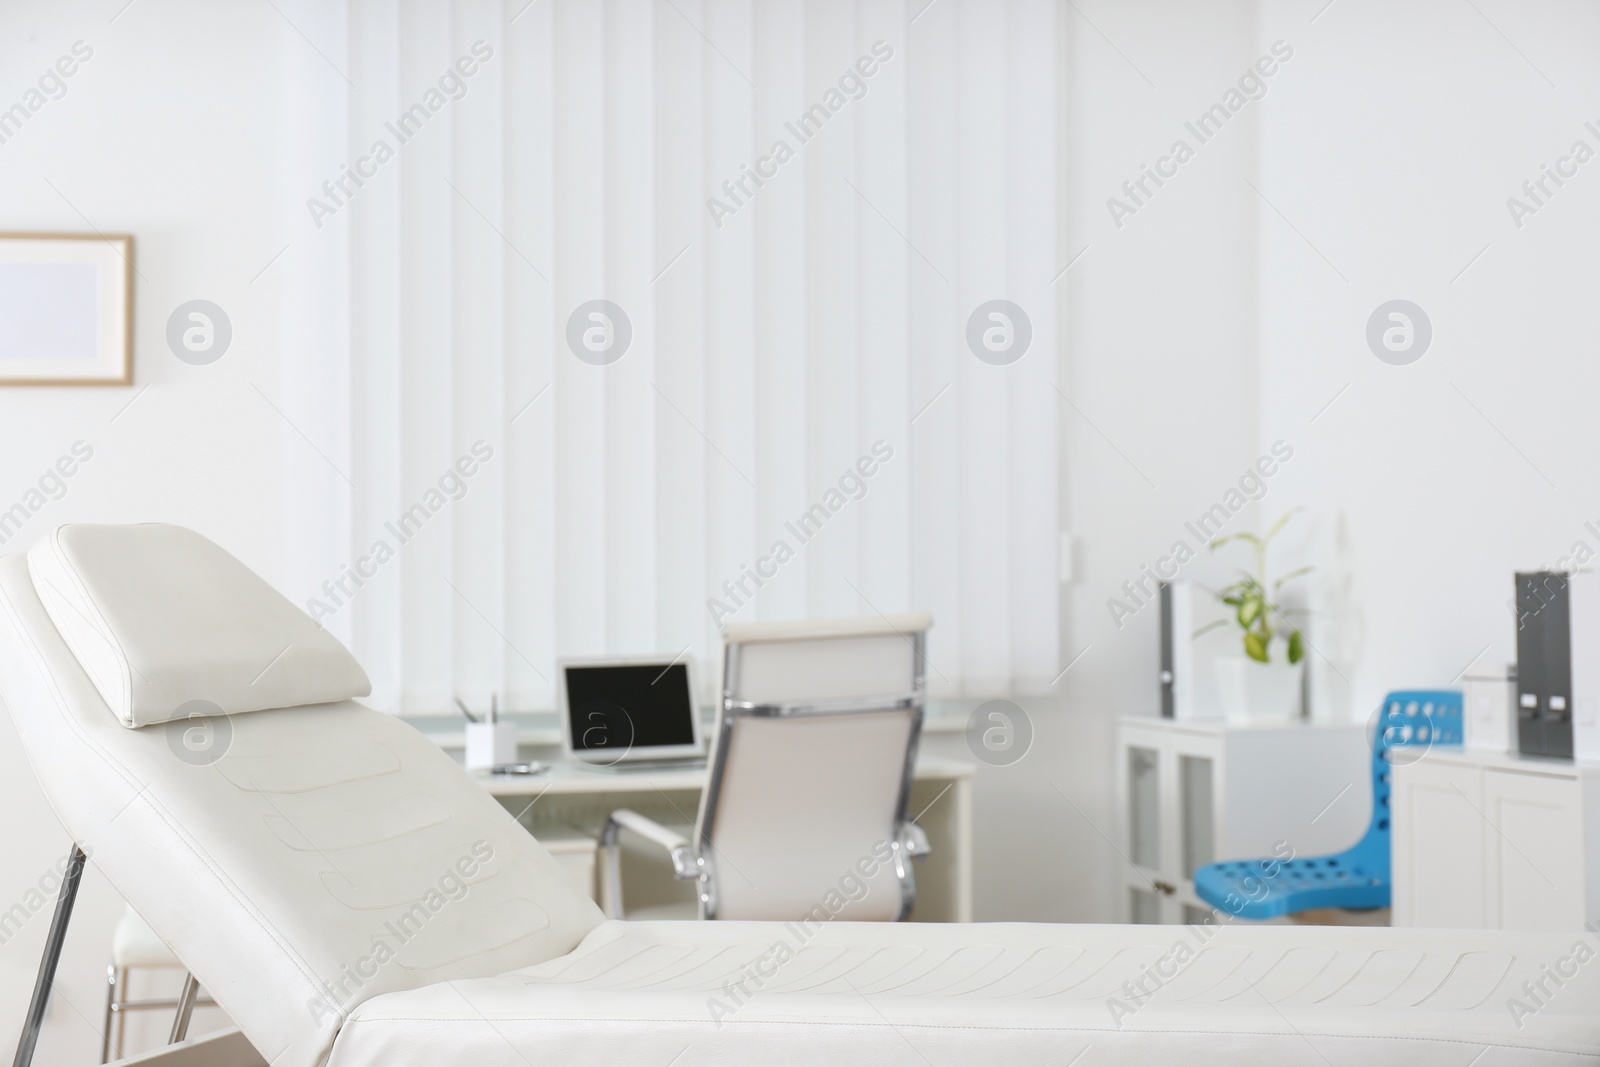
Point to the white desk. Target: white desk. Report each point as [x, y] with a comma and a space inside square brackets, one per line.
[570, 801]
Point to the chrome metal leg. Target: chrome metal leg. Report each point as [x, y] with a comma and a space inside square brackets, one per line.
[52, 956]
[611, 870]
[180, 1022]
[111, 1004]
[121, 1022]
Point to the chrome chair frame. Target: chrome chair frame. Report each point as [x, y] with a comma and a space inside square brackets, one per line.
[116, 1021]
[695, 861]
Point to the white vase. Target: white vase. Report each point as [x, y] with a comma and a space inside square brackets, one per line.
[1250, 691]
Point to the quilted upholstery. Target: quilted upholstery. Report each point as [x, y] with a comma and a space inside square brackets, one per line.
[920, 994]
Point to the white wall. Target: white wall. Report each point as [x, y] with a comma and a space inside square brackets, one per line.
[180, 129]
[1394, 144]
[1161, 365]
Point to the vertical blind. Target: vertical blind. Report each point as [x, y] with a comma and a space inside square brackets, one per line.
[791, 212]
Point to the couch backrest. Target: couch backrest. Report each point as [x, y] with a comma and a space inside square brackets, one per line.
[297, 860]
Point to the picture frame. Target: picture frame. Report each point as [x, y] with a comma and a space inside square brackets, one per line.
[66, 309]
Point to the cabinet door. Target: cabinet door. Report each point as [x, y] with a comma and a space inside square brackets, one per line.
[1534, 851]
[1193, 775]
[1145, 908]
[1168, 781]
[1197, 813]
[1144, 804]
[1139, 806]
[1437, 845]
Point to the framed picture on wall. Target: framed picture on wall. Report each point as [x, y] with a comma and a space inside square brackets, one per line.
[66, 309]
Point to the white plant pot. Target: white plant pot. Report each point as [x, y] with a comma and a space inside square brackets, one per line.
[1251, 691]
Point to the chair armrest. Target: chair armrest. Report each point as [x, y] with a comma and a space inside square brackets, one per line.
[685, 864]
[644, 827]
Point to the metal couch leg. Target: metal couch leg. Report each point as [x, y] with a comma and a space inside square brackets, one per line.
[52, 956]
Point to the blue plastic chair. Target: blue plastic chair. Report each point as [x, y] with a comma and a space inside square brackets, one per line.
[1357, 878]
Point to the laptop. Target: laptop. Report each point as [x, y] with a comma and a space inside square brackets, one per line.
[619, 711]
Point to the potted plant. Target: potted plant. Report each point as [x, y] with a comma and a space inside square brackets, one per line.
[1258, 685]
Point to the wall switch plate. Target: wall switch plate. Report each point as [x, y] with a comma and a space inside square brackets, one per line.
[1490, 721]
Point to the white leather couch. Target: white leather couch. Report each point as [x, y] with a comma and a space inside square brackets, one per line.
[352, 898]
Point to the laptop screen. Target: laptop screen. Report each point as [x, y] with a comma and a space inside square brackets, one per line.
[627, 708]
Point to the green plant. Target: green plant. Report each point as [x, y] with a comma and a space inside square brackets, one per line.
[1255, 602]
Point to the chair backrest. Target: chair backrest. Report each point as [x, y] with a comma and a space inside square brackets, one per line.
[1406, 726]
[1409, 723]
[297, 859]
[803, 816]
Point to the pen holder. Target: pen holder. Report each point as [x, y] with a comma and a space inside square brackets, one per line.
[490, 744]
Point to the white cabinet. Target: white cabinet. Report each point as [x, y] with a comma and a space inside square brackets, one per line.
[1193, 792]
[1444, 869]
[1488, 840]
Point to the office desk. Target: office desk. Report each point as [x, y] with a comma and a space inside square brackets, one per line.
[572, 801]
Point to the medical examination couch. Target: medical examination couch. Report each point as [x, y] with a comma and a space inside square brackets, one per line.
[351, 897]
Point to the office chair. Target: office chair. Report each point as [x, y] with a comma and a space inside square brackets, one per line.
[135, 946]
[1357, 878]
[811, 767]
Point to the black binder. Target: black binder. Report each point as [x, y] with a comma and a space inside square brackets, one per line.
[1169, 702]
[1544, 665]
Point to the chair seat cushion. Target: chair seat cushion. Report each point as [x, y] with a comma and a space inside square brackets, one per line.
[654, 994]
